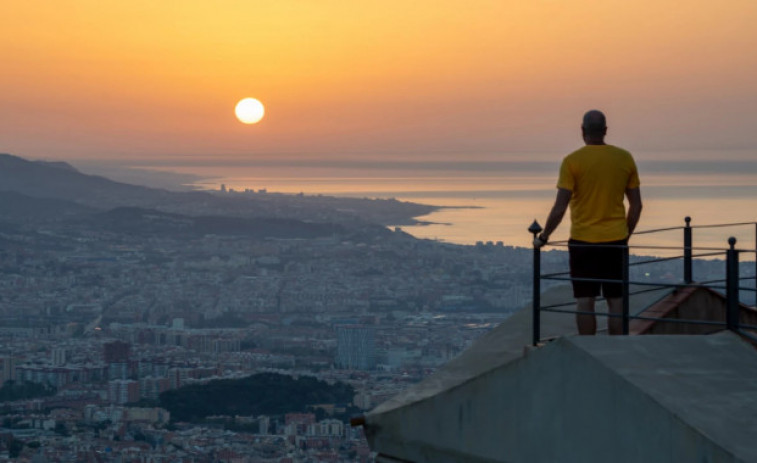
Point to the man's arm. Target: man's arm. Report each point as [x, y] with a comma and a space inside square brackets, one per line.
[555, 215]
[634, 208]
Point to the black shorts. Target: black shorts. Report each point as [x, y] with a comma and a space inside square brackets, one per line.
[596, 260]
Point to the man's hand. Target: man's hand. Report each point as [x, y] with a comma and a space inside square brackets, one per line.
[540, 241]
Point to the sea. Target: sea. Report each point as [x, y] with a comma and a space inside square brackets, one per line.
[497, 200]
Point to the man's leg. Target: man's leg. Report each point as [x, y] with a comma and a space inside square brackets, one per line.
[613, 292]
[615, 307]
[587, 324]
[585, 292]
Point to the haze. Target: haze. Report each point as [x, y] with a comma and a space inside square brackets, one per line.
[392, 79]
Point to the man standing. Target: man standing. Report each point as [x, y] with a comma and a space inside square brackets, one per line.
[593, 181]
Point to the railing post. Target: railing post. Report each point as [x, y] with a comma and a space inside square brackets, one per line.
[687, 276]
[626, 288]
[535, 229]
[732, 286]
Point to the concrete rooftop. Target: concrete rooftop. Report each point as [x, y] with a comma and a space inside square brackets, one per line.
[652, 398]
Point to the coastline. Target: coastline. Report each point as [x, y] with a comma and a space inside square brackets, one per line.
[493, 202]
[387, 212]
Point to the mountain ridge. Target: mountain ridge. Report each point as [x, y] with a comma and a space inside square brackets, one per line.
[38, 183]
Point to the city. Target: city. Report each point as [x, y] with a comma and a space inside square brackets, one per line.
[107, 315]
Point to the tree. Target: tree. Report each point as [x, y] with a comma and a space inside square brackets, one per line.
[262, 394]
[60, 429]
[14, 448]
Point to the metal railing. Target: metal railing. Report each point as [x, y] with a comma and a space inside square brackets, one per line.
[730, 285]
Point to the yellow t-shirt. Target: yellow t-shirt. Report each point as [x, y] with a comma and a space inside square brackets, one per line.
[598, 176]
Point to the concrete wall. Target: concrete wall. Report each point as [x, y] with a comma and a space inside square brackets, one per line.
[558, 404]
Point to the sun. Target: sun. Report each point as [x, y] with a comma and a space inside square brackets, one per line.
[249, 110]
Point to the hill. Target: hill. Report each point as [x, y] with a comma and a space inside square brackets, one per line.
[18, 207]
[62, 182]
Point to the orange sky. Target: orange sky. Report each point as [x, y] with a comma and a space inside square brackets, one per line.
[400, 79]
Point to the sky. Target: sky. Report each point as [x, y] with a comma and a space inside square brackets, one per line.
[373, 80]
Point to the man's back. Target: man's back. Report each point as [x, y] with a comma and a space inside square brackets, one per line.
[598, 177]
[593, 181]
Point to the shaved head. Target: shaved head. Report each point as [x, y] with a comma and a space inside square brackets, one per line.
[594, 123]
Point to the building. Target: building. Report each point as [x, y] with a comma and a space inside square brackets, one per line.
[116, 352]
[54, 376]
[151, 387]
[326, 428]
[59, 356]
[297, 424]
[178, 377]
[122, 391]
[118, 370]
[356, 349]
[7, 368]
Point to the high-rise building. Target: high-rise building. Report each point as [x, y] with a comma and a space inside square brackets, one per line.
[59, 356]
[264, 424]
[151, 387]
[178, 377]
[356, 349]
[122, 391]
[116, 355]
[7, 368]
[118, 370]
[116, 352]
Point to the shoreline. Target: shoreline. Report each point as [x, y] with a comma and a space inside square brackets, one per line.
[414, 222]
[467, 209]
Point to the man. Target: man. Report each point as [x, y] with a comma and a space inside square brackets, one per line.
[593, 181]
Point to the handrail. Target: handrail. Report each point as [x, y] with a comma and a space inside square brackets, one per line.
[716, 251]
[722, 225]
[656, 230]
[716, 225]
[730, 284]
